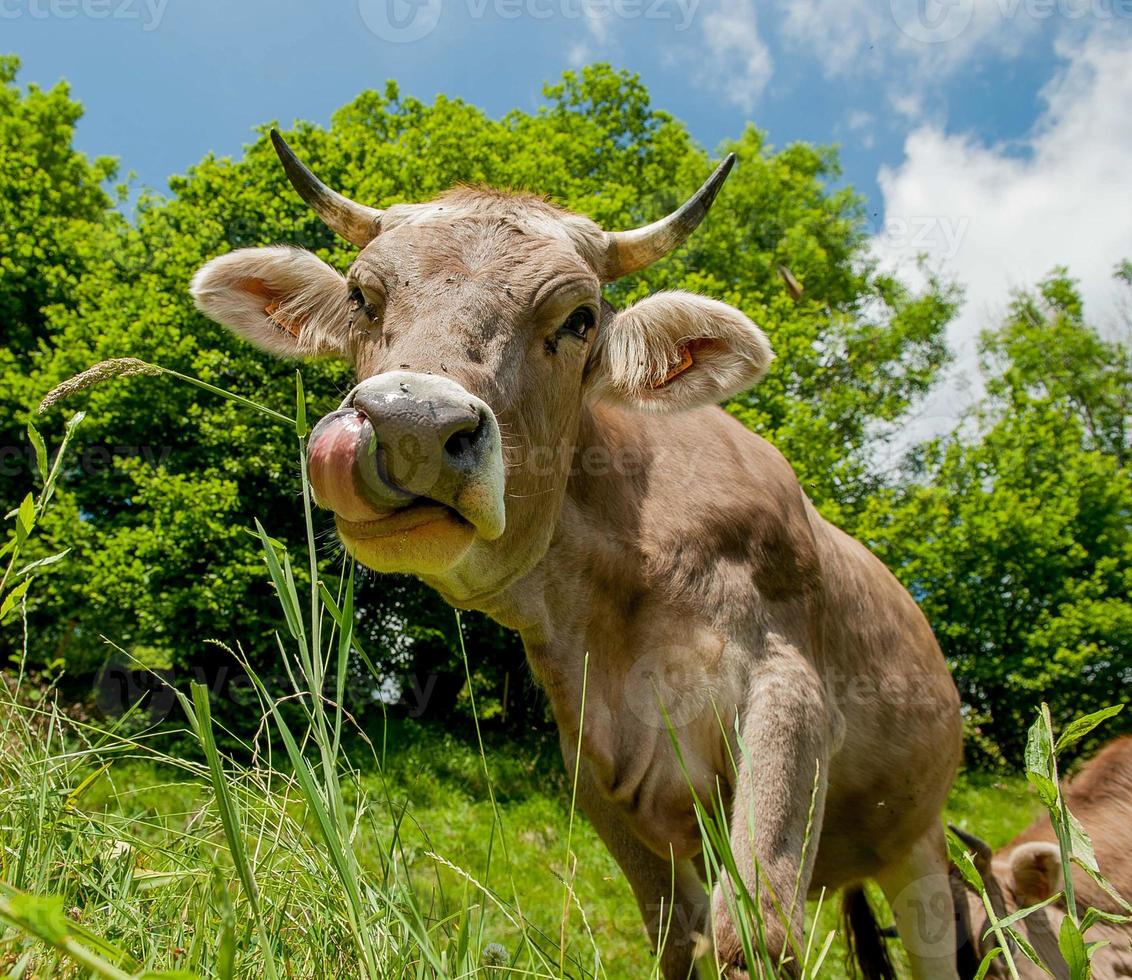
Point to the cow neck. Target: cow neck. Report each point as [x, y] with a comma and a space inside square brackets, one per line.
[550, 605]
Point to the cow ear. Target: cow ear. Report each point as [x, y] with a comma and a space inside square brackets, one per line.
[284, 300]
[1037, 872]
[675, 351]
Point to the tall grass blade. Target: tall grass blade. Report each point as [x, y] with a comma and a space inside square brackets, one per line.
[201, 719]
[339, 850]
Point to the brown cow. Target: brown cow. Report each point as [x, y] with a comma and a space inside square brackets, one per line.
[1028, 870]
[529, 452]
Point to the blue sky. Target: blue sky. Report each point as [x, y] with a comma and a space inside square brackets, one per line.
[994, 135]
[165, 81]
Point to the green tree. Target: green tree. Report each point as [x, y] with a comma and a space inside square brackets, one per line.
[163, 560]
[1016, 538]
[52, 210]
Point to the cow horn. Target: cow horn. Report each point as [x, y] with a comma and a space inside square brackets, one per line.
[630, 251]
[979, 847]
[355, 222]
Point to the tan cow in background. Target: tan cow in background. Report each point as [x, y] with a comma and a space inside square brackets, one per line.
[1028, 870]
[530, 452]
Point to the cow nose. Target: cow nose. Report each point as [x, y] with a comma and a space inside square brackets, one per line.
[422, 431]
[430, 438]
[412, 427]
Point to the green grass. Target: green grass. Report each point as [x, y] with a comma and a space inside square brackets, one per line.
[434, 792]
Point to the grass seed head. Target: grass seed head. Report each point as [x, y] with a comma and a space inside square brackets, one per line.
[117, 367]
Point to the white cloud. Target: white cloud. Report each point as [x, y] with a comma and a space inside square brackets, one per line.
[599, 22]
[907, 104]
[739, 58]
[597, 18]
[862, 124]
[835, 31]
[578, 54]
[934, 37]
[1000, 217]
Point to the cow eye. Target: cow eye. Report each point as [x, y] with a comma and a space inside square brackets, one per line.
[361, 304]
[579, 323]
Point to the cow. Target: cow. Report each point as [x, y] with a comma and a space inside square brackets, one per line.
[703, 636]
[1029, 870]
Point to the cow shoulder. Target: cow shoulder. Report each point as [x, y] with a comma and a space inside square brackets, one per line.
[709, 508]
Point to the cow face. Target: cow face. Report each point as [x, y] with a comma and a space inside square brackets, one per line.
[477, 330]
[1027, 875]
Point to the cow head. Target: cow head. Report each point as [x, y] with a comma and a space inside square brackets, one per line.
[478, 334]
[1025, 875]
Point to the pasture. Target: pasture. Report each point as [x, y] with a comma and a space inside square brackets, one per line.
[462, 850]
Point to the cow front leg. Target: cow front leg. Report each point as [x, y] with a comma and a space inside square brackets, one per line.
[782, 755]
[670, 895]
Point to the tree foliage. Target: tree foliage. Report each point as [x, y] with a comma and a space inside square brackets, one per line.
[1015, 534]
[167, 481]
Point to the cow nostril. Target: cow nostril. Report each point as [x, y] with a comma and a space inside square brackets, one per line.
[463, 443]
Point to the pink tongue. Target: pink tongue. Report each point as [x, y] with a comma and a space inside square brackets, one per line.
[331, 456]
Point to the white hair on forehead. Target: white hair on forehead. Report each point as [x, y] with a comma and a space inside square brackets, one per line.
[431, 212]
[531, 215]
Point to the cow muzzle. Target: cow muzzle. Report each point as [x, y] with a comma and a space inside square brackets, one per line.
[412, 467]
